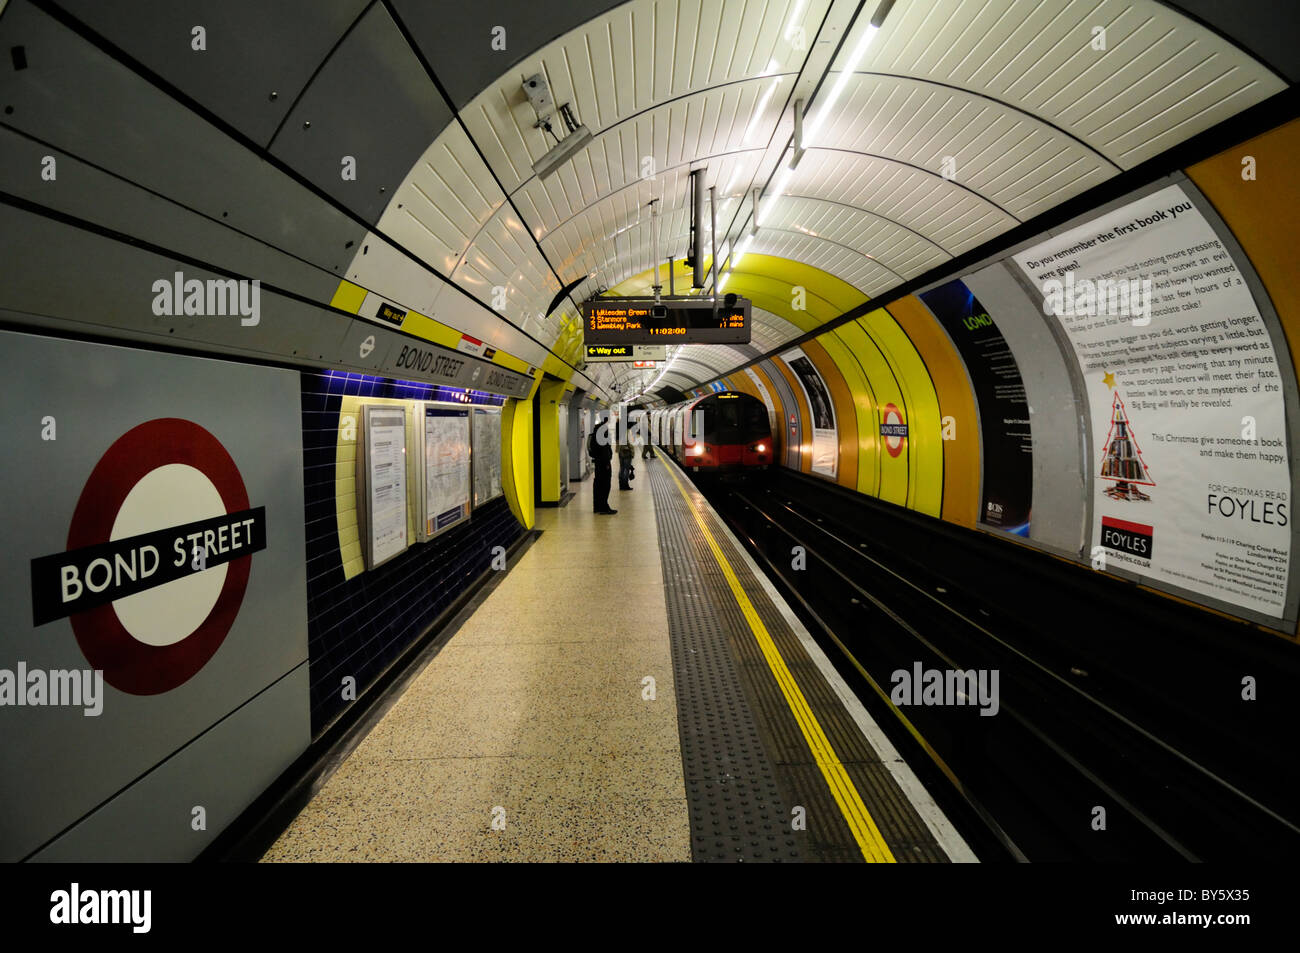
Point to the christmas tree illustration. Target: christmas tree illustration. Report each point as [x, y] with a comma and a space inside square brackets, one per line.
[1123, 461]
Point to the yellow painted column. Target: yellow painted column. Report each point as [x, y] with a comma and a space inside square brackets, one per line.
[891, 474]
[1260, 211]
[548, 434]
[517, 456]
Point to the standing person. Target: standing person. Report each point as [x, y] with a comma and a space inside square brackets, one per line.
[625, 457]
[639, 442]
[602, 456]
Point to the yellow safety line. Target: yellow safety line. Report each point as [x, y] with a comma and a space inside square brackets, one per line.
[864, 829]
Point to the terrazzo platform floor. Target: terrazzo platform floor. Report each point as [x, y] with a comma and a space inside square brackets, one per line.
[526, 738]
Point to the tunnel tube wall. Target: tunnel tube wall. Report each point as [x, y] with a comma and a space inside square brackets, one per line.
[900, 370]
[219, 665]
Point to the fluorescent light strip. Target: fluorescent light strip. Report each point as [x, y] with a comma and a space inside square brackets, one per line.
[794, 18]
[772, 67]
[762, 104]
[824, 109]
[741, 249]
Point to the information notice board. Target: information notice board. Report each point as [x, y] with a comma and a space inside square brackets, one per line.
[444, 467]
[485, 459]
[381, 481]
[1190, 462]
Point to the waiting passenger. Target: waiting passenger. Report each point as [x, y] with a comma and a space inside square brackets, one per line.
[637, 441]
[625, 457]
[602, 455]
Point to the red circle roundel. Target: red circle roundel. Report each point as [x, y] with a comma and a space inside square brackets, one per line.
[893, 429]
[130, 665]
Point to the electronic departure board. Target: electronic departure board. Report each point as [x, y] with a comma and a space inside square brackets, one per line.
[684, 321]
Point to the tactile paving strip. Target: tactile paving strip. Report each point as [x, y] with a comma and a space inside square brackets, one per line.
[739, 665]
[736, 809]
[900, 825]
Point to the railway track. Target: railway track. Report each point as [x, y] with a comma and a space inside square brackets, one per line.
[1093, 754]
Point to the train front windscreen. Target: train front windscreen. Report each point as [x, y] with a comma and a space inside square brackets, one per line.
[735, 421]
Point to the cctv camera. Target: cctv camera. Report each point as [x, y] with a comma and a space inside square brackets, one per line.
[562, 152]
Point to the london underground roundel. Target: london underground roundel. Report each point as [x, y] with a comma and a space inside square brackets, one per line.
[893, 429]
[158, 557]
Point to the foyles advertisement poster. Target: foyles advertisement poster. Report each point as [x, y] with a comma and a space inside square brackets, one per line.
[1190, 477]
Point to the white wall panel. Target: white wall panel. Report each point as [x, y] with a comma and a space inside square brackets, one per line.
[443, 202]
[504, 255]
[1161, 78]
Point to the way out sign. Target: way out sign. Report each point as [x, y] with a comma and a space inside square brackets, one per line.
[158, 557]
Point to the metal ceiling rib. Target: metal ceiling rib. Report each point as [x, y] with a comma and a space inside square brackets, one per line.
[715, 358]
[948, 214]
[503, 255]
[445, 199]
[771, 330]
[1018, 162]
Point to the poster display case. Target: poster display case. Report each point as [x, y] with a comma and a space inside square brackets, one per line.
[485, 455]
[441, 471]
[381, 483]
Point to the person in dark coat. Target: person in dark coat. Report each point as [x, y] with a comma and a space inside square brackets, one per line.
[626, 454]
[601, 451]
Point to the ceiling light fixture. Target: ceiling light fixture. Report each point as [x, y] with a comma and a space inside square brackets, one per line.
[762, 102]
[739, 254]
[806, 131]
[794, 18]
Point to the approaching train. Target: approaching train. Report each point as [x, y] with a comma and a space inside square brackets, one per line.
[726, 431]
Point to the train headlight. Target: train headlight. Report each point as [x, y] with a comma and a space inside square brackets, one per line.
[695, 450]
[761, 447]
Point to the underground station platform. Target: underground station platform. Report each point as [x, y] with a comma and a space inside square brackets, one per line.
[631, 688]
[955, 344]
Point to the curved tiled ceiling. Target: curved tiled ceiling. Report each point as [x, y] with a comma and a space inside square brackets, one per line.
[1013, 92]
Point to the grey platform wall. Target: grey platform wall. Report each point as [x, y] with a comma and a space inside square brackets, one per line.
[141, 139]
[125, 784]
